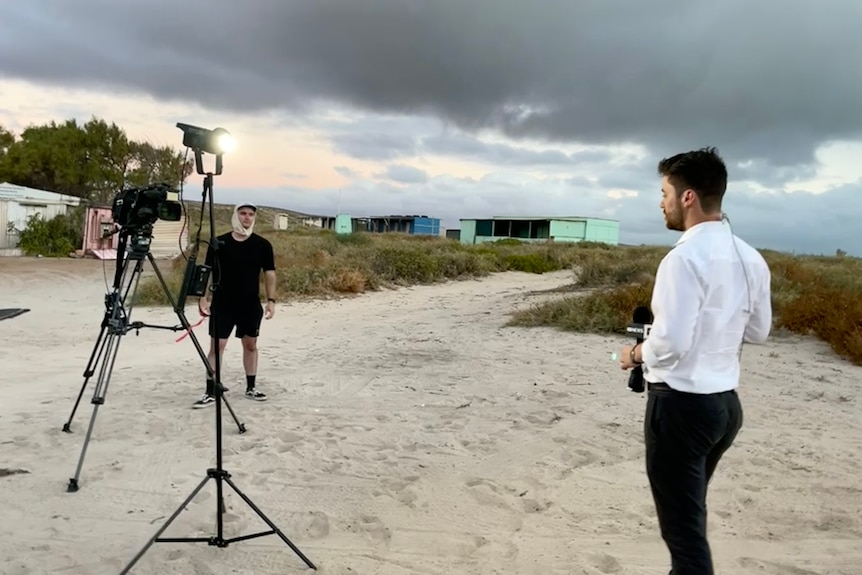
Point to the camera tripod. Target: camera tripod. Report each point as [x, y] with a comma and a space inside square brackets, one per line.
[194, 138]
[133, 246]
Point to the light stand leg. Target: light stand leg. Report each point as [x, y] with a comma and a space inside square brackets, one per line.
[174, 515]
[266, 520]
[116, 325]
[219, 475]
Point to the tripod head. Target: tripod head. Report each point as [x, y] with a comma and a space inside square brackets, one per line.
[138, 241]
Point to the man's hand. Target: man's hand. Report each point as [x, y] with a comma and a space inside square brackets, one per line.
[626, 357]
[204, 306]
[270, 310]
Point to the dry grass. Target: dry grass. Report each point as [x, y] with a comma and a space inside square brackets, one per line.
[811, 295]
[814, 295]
[320, 263]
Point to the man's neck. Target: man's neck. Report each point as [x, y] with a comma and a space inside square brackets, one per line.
[239, 237]
[701, 218]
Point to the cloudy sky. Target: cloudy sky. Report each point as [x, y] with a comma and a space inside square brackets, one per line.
[473, 108]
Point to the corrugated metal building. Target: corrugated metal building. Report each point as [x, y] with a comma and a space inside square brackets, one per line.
[541, 229]
[417, 225]
[17, 203]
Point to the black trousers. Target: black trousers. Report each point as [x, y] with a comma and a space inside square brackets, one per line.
[686, 434]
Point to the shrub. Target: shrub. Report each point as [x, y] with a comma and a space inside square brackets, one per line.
[599, 311]
[57, 237]
[820, 296]
[531, 263]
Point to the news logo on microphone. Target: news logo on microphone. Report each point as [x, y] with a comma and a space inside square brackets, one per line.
[639, 329]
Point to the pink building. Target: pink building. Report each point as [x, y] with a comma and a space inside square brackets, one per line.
[168, 241]
[99, 223]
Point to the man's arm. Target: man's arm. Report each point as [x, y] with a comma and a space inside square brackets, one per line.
[269, 271]
[676, 301]
[269, 281]
[760, 321]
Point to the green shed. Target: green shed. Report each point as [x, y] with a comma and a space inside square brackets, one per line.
[558, 229]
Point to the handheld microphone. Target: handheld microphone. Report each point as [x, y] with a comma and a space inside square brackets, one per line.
[640, 326]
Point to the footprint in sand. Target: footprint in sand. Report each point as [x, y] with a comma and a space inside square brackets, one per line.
[771, 568]
[372, 526]
[488, 493]
[579, 457]
[535, 506]
[606, 563]
[543, 418]
[261, 477]
[400, 489]
[288, 441]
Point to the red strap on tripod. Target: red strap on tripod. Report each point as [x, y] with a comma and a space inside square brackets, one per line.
[182, 337]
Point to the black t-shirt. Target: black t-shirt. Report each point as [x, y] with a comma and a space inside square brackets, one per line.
[236, 275]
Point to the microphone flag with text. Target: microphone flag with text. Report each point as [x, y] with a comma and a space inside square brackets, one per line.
[641, 324]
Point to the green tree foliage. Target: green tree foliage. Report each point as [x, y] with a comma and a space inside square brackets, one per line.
[92, 161]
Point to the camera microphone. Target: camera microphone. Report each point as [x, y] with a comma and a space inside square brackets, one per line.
[640, 326]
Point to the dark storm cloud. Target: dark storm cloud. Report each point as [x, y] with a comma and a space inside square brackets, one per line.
[771, 176]
[769, 79]
[385, 138]
[374, 145]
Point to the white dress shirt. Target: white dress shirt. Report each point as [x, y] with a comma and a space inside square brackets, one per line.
[703, 310]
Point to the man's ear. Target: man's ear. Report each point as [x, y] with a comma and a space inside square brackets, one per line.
[688, 197]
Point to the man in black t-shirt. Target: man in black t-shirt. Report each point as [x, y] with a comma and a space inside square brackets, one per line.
[235, 303]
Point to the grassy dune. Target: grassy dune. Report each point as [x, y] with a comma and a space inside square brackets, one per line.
[811, 295]
[820, 295]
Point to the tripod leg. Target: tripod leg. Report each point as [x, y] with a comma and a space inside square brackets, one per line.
[117, 326]
[95, 356]
[266, 520]
[99, 393]
[167, 524]
[181, 314]
[239, 425]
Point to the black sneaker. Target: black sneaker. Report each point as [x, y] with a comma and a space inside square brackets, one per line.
[255, 395]
[204, 401]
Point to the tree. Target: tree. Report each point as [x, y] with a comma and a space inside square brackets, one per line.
[7, 138]
[91, 161]
[149, 164]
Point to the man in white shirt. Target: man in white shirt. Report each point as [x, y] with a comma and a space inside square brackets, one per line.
[712, 293]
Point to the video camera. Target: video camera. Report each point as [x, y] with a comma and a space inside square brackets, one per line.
[639, 328]
[136, 208]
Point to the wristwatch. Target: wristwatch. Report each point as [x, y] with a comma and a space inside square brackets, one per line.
[272, 299]
[632, 355]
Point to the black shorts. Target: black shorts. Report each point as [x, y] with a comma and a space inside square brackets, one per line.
[246, 319]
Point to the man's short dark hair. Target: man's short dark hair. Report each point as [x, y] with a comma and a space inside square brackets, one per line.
[701, 170]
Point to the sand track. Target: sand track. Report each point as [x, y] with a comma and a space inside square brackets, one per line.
[407, 432]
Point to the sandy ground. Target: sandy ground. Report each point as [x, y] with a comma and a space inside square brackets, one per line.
[407, 432]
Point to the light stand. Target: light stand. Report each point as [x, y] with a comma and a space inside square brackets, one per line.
[218, 473]
[132, 249]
